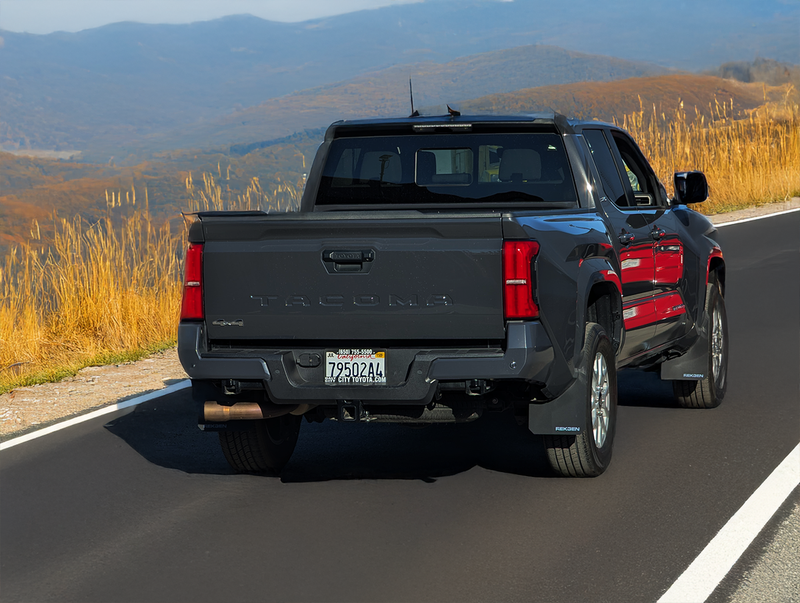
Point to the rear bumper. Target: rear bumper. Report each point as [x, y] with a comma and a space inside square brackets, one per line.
[412, 374]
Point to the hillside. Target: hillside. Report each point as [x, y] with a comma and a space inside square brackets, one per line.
[606, 100]
[34, 188]
[769, 71]
[385, 93]
[130, 81]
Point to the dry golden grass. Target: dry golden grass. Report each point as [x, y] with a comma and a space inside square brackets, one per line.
[107, 292]
[750, 161]
[93, 294]
[111, 291]
[282, 196]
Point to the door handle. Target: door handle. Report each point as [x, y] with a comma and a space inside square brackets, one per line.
[626, 238]
[658, 233]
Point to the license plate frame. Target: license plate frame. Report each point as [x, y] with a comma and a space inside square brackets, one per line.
[347, 367]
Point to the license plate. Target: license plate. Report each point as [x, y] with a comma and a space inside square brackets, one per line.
[355, 367]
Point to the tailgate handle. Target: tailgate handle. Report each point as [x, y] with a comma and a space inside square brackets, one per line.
[348, 260]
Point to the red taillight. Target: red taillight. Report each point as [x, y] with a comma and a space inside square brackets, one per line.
[518, 285]
[192, 306]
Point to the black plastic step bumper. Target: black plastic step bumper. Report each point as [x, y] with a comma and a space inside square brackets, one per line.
[412, 375]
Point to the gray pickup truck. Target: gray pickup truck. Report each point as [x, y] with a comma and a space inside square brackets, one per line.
[444, 267]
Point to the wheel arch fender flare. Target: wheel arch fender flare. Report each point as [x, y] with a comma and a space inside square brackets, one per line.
[716, 264]
[600, 300]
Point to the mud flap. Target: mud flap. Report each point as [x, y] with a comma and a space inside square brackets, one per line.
[692, 366]
[565, 415]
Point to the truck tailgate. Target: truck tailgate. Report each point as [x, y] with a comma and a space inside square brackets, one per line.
[346, 277]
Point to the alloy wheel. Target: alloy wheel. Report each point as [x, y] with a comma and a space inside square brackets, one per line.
[600, 400]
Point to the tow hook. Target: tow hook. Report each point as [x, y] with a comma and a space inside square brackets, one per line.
[477, 387]
[231, 387]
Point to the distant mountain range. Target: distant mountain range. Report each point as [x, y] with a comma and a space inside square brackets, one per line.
[123, 86]
[386, 93]
[34, 188]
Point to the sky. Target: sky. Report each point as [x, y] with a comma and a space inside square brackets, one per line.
[46, 16]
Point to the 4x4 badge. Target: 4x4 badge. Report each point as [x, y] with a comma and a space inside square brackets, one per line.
[228, 323]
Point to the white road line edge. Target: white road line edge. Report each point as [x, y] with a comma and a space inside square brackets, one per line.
[705, 573]
[97, 413]
[743, 220]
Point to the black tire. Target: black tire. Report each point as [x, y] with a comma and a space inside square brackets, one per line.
[264, 447]
[588, 453]
[709, 391]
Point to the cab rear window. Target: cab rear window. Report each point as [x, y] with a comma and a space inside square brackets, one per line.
[446, 169]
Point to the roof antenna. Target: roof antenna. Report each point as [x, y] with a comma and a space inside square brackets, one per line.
[414, 113]
[453, 112]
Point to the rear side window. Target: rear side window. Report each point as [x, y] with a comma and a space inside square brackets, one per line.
[447, 169]
[641, 179]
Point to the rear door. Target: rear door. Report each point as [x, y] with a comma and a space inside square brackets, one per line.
[349, 277]
[633, 228]
[669, 317]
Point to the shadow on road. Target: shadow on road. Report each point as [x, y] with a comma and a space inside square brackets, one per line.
[164, 431]
[637, 388]
[363, 451]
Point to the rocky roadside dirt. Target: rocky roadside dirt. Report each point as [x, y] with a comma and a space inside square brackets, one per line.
[29, 408]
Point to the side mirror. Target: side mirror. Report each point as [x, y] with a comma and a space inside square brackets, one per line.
[690, 187]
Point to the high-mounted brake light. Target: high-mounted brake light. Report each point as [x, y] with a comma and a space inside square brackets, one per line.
[518, 279]
[192, 305]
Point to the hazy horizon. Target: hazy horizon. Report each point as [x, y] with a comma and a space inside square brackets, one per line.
[49, 16]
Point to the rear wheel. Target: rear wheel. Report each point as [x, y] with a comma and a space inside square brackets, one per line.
[588, 453]
[265, 446]
[709, 391]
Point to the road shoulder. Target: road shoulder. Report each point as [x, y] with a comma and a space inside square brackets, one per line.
[30, 408]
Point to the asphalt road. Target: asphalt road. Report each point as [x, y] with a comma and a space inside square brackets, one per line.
[141, 506]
